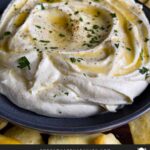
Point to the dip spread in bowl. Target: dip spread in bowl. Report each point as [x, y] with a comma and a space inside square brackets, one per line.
[73, 58]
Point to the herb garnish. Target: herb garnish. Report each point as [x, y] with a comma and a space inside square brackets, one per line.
[42, 7]
[39, 27]
[95, 26]
[80, 19]
[130, 28]
[61, 35]
[76, 12]
[53, 47]
[54, 95]
[143, 70]
[117, 45]
[23, 63]
[43, 41]
[116, 32]
[146, 39]
[96, 0]
[113, 15]
[66, 93]
[74, 60]
[129, 49]
[140, 21]
[7, 33]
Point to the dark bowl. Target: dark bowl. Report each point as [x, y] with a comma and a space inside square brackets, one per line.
[98, 123]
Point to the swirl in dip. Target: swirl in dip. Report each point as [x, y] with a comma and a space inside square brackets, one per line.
[73, 58]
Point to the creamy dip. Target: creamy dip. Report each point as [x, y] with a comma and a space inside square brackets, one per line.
[73, 58]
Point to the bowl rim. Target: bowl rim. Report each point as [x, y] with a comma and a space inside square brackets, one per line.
[78, 130]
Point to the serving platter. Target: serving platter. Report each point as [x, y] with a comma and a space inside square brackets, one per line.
[97, 123]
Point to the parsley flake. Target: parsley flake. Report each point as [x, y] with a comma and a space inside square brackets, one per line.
[23, 63]
[7, 33]
[143, 70]
[66, 93]
[117, 45]
[42, 7]
[146, 40]
[72, 59]
[113, 15]
[61, 35]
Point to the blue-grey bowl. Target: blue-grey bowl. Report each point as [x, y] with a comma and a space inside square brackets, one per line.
[98, 123]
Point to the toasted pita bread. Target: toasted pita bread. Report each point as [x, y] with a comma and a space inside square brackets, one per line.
[84, 139]
[140, 129]
[7, 140]
[26, 136]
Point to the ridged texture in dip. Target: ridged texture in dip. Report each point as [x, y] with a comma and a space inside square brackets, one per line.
[73, 58]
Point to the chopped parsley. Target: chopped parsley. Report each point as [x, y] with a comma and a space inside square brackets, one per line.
[143, 70]
[66, 93]
[34, 39]
[96, 0]
[61, 35]
[39, 27]
[129, 49]
[89, 35]
[116, 32]
[53, 47]
[72, 59]
[102, 28]
[23, 63]
[146, 40]
[130, 28]
[113, 15]
[7, 33]
[117, 45]
[79, 59]
[80, 19]
[84, 74]
[94, 38]
[43, 41]
[76, 12]
[141, 54]
[42, 7]
[140, 21]
[54, 95]
[95, 26]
